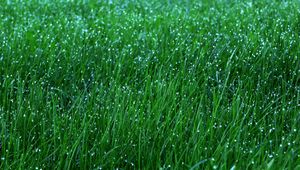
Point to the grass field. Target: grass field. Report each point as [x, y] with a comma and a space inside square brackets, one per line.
[158, 84]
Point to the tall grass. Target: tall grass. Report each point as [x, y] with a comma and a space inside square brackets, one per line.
[149, 84]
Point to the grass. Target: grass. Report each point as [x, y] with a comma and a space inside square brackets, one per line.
[149, 84]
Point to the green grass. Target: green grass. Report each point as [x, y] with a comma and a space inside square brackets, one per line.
[138, 84]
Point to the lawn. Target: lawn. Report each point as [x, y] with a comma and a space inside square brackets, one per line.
[149, 84]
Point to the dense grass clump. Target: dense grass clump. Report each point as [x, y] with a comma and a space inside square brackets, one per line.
[159, 84]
